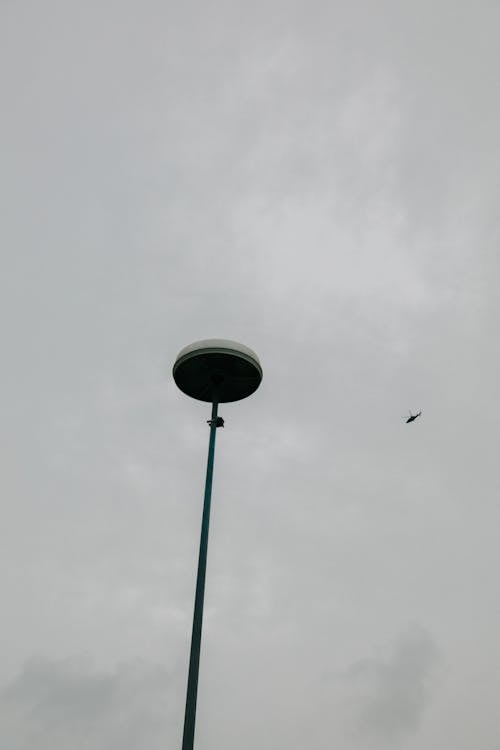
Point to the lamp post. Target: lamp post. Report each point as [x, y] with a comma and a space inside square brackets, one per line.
[216, 371]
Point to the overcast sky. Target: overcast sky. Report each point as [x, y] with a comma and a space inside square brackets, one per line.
[320, 182]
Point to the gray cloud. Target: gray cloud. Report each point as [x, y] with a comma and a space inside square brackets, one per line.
[66, 703]
[389, 695]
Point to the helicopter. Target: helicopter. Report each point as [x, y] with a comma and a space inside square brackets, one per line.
[412, 417]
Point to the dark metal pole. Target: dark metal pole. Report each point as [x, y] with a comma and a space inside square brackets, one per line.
[194, 659]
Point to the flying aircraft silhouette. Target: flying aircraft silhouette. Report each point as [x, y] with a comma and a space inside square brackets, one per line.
[412, 417]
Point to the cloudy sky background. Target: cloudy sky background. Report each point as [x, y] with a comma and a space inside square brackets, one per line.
[320, 181]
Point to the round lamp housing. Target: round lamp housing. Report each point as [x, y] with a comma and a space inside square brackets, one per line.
[217, 370]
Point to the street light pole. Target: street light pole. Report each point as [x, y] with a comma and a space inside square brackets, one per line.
[216, 371]
[194, 659]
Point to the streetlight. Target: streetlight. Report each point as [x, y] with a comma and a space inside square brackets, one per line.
[217, 371]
